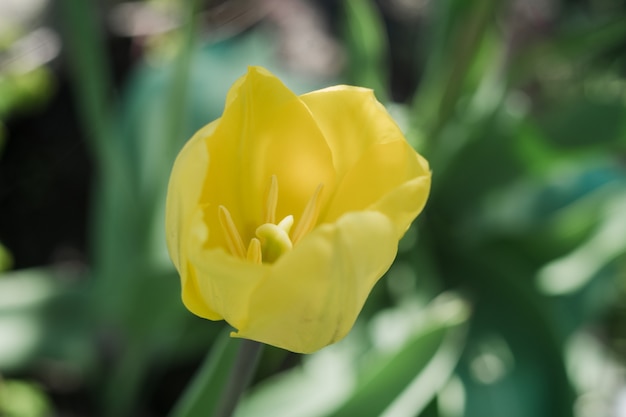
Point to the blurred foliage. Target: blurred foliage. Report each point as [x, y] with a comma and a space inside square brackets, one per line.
[507, 297]
[20, 399]
[25, 82]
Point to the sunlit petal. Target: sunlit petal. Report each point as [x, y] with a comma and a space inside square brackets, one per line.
[352, 120]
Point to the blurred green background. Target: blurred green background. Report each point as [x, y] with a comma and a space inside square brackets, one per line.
[507, 298]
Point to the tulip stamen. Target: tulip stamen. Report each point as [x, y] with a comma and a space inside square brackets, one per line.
[271, 201]
[233, 238]
[309, 216]
[272, 239]
[255, 254]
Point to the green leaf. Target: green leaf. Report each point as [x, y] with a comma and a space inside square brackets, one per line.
[514, 363]
[92, 80]
[6, 260]
[404, 382]
[569, 47]
[367, 46]
[24, 295]
[585, 122]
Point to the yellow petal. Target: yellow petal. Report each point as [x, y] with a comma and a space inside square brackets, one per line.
[405, 202]
[381, 179]
[226, 282]
[312, 295]
[375, 166]
[265, 130]
[352, 120]
[181, 215]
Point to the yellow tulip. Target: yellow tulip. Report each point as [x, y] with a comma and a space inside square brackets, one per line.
[283, 214]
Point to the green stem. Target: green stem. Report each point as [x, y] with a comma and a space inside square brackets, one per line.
[217, 386]
[240, 377]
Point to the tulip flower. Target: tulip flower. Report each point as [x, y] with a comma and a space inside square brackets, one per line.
[284, 213]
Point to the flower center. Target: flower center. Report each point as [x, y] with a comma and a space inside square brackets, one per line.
[272, 239]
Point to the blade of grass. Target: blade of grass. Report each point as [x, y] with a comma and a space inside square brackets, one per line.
[92, 84]
[87, 60]
[433, 106]
[367, 45]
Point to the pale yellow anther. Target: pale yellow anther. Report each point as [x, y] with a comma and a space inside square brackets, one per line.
[233, 238]
[309, 216]
[255, 254]
[271, 201]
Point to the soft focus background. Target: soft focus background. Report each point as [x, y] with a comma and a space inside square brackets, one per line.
[508, 296]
